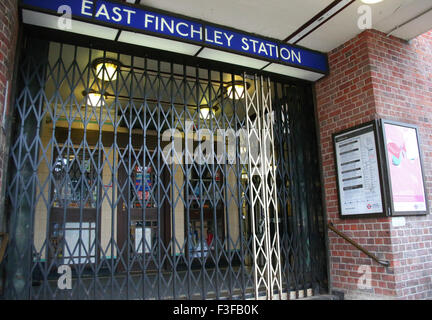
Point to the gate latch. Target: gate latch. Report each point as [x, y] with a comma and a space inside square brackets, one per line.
[4, 243]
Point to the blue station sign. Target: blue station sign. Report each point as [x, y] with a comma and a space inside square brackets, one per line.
[142, 20]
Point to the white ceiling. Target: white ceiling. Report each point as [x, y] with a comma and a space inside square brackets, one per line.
[280, 18]
[274, 18]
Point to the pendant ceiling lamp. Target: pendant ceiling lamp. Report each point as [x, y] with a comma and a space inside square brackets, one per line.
[107, 69]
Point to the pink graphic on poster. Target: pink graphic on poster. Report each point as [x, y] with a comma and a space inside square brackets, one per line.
[405, 168]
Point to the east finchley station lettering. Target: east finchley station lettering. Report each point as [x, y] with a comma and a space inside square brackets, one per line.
[157, 23]
[116, 14]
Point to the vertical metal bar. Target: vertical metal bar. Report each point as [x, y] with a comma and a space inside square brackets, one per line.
[200, 174]
[54, 147]
[188, 174]
[264, 177]
[226, 211]
[285, 148]
[132, 187]
[144, 163]
[99, 188]
[82, 164]
[299, 225]
[38, 112]
[50, 204]
[69, 144]
[114, 249]
[241, 199]
[159, 173]
[129, 183]
[172, 182]
[294, 198]
[213, 174]
[145, 150]
[251, 171]
[309, 207]
[23, 260]
[280, 131]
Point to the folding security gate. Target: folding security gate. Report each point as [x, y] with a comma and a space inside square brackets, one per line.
[263, 194]
[144, 179]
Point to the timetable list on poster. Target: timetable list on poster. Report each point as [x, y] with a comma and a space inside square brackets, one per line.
[359, 181]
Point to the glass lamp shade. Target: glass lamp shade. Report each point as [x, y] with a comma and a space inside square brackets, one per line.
[205, 113]
[106, 71]
[95, 99]
[236, 91]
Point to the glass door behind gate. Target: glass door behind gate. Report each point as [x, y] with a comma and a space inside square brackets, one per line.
[73, 221]
[140, 218]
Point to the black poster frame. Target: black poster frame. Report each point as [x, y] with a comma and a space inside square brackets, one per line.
[350, 133]
[392, 211]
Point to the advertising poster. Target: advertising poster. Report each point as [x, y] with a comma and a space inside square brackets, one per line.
[404, 168]
[143, 183]
[358, 172]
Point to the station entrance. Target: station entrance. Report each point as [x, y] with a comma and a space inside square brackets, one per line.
[152, 178]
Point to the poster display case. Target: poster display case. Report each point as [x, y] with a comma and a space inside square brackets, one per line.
[404, 168]
[359, 173]
[380, 170]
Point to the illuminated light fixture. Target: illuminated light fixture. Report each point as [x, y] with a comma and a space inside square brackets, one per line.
[371, 1]
[236, 90]
[94, 98]
[233, 90]
[206, 112]
[107, 69]
[244, 175]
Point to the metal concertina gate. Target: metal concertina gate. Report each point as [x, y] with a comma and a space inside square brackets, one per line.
[90, 188]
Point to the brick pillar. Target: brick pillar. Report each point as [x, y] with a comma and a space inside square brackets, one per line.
[8, 39]
[373, 76]
[9, 25]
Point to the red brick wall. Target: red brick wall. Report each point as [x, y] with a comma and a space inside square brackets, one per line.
[8, 39]
[402, 77]
[373, 76]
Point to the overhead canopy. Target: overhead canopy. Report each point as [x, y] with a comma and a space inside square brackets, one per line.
[321, 25]
[167, 31]
[273, 36]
